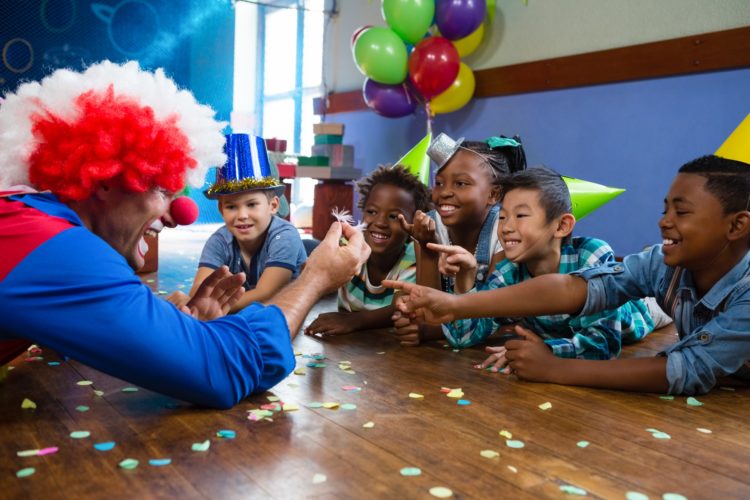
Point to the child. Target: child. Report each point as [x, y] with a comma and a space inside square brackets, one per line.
[700, 275]
[386, 195]
[535, 225]
[253, 240]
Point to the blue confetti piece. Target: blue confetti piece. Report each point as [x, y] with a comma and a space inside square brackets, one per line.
[54, 363]
[226, 434]
[464, 402]
[105, 446]
[159, 462]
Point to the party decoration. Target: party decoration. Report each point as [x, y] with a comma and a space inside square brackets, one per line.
[737, 145]
[391, 101]
[410, 19]
[358, 32]
[459, 18]
[588, 196]
[416, 160]
[433, 65]
[381, 55]
[457, 95]
[469, 44]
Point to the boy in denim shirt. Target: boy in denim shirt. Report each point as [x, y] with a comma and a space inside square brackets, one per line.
[700, 275]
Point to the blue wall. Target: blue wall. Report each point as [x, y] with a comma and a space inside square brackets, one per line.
[630, 135]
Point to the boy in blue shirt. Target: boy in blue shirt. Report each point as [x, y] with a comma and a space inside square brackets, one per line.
[253, 240]
[700, 275]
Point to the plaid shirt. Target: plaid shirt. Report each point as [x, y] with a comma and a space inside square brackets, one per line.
[595, 336]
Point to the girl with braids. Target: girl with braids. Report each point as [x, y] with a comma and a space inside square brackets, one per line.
[387, 196]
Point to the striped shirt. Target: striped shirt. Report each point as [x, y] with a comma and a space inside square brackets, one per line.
[361, 295]
[596, 336]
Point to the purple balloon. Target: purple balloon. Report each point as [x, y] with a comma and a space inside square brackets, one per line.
[391, 101]
[459, 18]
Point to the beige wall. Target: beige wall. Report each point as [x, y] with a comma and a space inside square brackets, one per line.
[548, 28]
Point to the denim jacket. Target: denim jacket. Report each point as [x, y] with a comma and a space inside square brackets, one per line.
[714, 330]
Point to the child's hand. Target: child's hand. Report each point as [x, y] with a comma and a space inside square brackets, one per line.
[457, 262]
[407, 330]
[422, 229]
[496, 360]
[422, 303]
[331, 323]
[530, 358]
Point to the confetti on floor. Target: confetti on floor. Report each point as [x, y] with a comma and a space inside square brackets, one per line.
[411, 471]
[129, 463]
[667, 398]
[381, 352]
[673, 496]
[160, 462]
[569, 489]
[315, 404]
[84, 382]
[512, 469]
[80, 434]
[106, 446]
[99, 393]
[656, 433]
[204, 446]
[27, 453]
[489, 453]
[348, 406]
[54, 363]
[28, 404]
[441, 492]
[82, 408]
[635, 495]
[226, 434]
[129, 389]
[272, 399]
[316, 365]
[582, 444]
[505, 434]
[545, 406]
[368, 425]
[514, 443]
[50, 450]
[455, 393]
[350, 388]
[330, 405]
[319, 478]
[26, 472]
[704, 430]
[299, 371]
[415, 395]
[730, 389]
[290, 407]
[691, 401]
[463, 402]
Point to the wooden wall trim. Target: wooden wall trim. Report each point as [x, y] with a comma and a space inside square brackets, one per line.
[719, 50]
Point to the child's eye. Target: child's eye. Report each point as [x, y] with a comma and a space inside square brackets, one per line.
[502, 217]
[370, 212]
[393, 216]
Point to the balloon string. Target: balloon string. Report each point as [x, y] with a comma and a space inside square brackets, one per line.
[429, 116]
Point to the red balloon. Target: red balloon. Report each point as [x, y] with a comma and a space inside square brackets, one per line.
[359, 31]
[433, 65]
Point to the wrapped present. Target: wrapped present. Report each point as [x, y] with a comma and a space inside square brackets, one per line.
[328, 139]
[312, 161]
[274, 144]
[287, 170]
[328, 128]
[339, 155]
[340, 173]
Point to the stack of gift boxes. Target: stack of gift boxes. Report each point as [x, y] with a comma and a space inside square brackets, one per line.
[330, 158]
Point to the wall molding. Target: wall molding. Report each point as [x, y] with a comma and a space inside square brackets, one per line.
[715, 51]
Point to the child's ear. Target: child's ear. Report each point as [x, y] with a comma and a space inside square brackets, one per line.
[740, 226]
[565, 225]
[275, 204]
[495, 195]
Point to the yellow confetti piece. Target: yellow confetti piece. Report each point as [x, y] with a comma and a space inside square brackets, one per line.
[414, 395]
[330, 405]
[297, 353]
[455, 393]
[27, 453]
[299, 371]
[28, 404]
[704, 430]
[545, 406]
[441, 492]
[512, 469]
[84, 382]
[368, 425]
[381, 352]
[505, 434]
[290, 407]
[489, 453]
[350, 372]
[319, 478]
[99, 393]
[272, 399]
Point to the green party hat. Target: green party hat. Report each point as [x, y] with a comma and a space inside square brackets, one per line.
[416, 160]
[588, 196]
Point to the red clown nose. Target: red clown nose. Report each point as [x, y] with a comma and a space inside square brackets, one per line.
[183, 210]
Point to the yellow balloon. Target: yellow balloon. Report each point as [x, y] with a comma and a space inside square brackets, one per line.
[458, 94]
[469, 43]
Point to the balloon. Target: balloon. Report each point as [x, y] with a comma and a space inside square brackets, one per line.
[459, 18]
[410, 19]
[381, 55]
[433, 65]
[491, 10]
[358, 32]
[391, 101]
[469, 44]
[416, 160]
[737, 145]
[458, 94]
[588, 196]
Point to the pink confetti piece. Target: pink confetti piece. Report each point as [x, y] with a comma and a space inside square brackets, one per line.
[48, 451]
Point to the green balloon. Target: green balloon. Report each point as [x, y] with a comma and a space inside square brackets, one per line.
[381, 55]
[410, 19]
[416, 160]
[588, 196]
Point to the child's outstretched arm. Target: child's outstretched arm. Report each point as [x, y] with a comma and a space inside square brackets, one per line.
[343, 322]
[457, 261]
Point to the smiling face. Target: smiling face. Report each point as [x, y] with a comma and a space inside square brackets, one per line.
[694, 225]
[248, 215]
[384, 234]
[523, 229]
[464, 190]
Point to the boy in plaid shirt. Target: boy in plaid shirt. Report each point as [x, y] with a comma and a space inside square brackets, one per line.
[534, 227]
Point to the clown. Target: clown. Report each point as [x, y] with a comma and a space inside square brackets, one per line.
[89, 165]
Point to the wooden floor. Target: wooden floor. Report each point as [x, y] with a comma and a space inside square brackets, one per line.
[319, 452]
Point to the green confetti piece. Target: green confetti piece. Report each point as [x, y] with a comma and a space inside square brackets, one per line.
[315, 404]
[129, 463]
[84, 382]
[661, 435]
[411, 471]
[54, 363]
[582, 444]
[28, 404]
[348, 406]
[272, 399]
[514, 443]
[673, 496]
[666, 398]
[80, 434]
[159, 462]
[569, 489]
[204, 446]
[691, 401]
[82, 408]
[226, 434]
[635, 495]
[28, 471]
[129, 389]
[27, 453]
